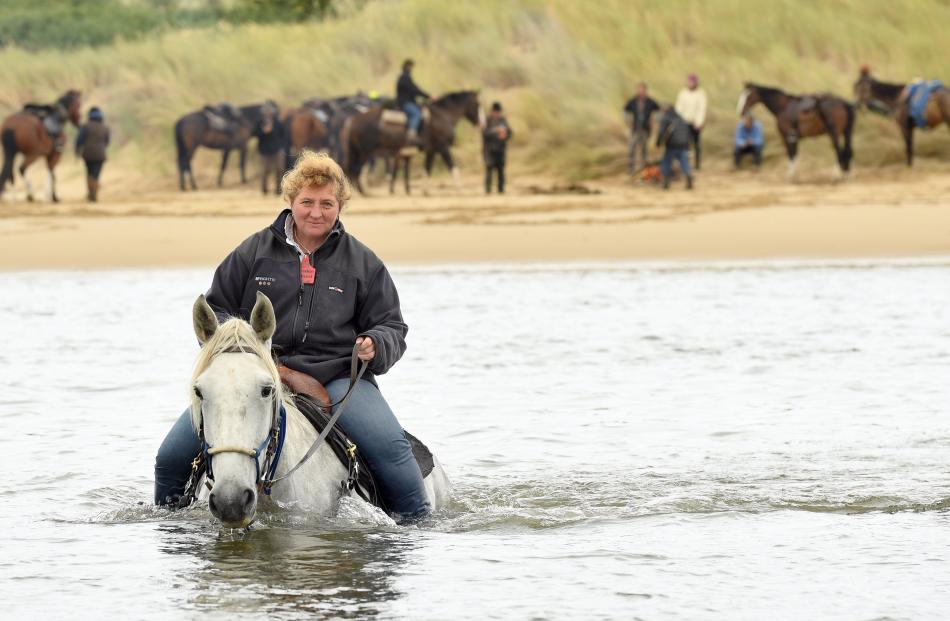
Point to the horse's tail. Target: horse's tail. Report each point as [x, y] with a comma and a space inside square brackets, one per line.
[344, 146]
[180, 146]
[8, 138]
[844, 156]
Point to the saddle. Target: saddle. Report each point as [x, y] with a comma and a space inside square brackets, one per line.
[222, 117]
[53, 117]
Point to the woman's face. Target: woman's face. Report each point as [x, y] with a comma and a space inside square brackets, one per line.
[315, 211]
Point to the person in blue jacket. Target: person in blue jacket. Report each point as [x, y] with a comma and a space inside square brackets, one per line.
[749, 140]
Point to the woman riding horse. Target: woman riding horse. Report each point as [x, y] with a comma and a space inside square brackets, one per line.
[329, 291]
[37, 131]
[804, 116]
[890, 99]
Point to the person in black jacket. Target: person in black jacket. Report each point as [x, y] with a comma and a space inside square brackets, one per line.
[270, 144]
[674, 134]
[406, 93]
[329, 291]
[638, 113]
[496, 135]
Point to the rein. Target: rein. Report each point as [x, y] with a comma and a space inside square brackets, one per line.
[272, 445]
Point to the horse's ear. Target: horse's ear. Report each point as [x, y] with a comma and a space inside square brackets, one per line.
[206, 323]
[263, 319]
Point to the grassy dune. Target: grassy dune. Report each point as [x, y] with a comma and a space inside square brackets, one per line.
[562, 68]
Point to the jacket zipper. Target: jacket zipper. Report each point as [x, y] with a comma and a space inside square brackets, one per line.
[293, 326]
[313, 294]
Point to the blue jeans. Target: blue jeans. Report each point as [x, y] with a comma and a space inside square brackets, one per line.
[681, 156]
[414, 114]
[368, 421]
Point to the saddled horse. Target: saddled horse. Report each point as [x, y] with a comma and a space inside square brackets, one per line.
[890, 99]
[306, 127]
[38, 131]
[253, 433]
[383, 132]
[223, 127]
[805, 116]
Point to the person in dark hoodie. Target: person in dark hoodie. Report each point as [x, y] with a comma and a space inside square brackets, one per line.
[270, 144]
[674, 135]
[329, 291]
[91, 144]
[496, 135]
[406, 93]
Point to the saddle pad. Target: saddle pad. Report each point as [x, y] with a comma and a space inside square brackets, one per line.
[422, 454]
[394, 117]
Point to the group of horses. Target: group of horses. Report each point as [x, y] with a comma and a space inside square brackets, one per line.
[355, 130]
[806, 116]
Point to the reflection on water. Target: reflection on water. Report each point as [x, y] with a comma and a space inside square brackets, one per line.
[328, 574]
[629, 441]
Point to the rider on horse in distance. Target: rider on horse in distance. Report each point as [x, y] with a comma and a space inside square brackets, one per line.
[406, 92]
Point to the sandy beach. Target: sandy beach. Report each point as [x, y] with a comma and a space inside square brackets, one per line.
[891, 212]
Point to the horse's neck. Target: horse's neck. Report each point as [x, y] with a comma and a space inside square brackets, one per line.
[775, 101]
[453, 113]
[316, 484]
[886, 92]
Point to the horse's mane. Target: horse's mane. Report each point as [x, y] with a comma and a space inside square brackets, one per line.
[68, 97]
[891, 88]
[231, 336]
[457, 97]
[767, 91]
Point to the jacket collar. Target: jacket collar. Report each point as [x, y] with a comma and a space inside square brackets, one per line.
[279, 229]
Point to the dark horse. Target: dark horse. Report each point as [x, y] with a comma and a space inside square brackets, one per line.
[306, 127]
[805, 116]
[372, 133]
[223, 127]
[38, 131]
[890, 99]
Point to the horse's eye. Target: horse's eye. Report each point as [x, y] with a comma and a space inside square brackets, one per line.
[198, 393]
[267, 391]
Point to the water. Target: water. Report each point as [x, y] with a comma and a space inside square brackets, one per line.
[724, 442]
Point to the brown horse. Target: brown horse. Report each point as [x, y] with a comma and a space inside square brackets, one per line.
[805, 116]
[372, 133]
[889, 98]
[223, 127]
[38, 131]
[306, 127]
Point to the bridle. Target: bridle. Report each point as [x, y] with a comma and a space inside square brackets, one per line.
[272, 445]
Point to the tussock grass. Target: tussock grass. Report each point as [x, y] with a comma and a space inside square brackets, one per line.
[562, 68]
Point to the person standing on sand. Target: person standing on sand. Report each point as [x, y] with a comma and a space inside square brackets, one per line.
[674, 135]
[691, 106]
[496, 135]
[638, 113]
[91, 146]
[270, 143]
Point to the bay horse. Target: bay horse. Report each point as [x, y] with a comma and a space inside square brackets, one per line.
[889, 99]
[37, 131]
[805, 116]
[223, 127]
[306, 127]
[367, 134]
[253, 432]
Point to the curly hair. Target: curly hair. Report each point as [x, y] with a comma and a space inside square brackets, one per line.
[315, 170]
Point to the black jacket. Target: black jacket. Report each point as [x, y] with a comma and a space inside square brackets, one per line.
[317, 324]
[270, 136]
[493, 143]
[645, 121]
[673, 132]
[407, 90]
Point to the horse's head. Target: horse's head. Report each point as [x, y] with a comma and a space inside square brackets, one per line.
[71, 100]
[748, 98]
[464, 102]
[236, 396]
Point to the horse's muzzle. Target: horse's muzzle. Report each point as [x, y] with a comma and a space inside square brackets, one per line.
[232, 504]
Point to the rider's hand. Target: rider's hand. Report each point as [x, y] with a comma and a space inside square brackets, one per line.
[366, 349]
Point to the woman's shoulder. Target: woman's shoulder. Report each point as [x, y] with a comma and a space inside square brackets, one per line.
[353, 255]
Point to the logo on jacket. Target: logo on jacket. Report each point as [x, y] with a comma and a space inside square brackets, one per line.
[264, 281]
[337, 289]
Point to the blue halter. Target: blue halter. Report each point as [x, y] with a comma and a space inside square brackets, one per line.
[278, 433]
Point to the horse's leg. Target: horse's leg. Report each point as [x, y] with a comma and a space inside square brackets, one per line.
[51, 181]
[395, 175]
[406, 174]
[791, 148]
[243, 152]
[908, 130]
[27, 160]
[224, 163]
[450, 164]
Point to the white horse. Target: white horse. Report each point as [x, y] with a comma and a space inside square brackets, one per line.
[235, 406]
